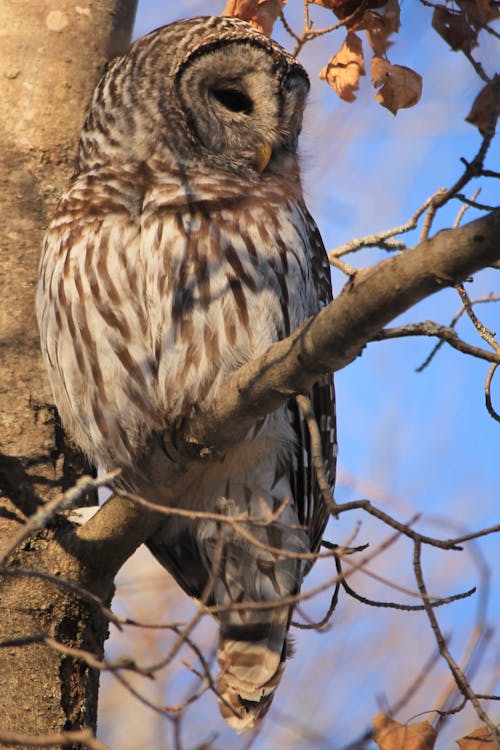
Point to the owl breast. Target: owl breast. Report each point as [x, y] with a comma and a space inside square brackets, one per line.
[229, 275]
[162, 298]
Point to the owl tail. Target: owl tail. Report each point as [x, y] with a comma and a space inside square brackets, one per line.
[251, 663]
[252, 582]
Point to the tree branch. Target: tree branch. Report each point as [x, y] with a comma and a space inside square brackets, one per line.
[337, 335]
[325, 343]
[444, 333]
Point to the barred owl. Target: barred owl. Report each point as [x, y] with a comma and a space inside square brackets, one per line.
[182, 249]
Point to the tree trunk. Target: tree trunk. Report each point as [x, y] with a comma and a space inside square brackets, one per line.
[50, 61]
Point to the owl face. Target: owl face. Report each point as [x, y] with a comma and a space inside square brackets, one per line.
[243, 105]
[203, 93]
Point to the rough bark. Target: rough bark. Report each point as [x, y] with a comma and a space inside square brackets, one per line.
[49, 62]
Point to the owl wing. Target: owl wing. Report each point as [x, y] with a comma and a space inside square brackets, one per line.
[93, 323]
[311, 508]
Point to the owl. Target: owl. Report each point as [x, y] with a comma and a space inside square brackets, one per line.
[181, 250]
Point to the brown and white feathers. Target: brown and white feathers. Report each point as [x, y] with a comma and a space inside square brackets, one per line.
[182, 249]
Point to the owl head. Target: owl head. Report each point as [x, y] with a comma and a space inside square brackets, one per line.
[206, 92]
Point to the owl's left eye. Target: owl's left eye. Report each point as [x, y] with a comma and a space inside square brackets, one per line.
[233, 100]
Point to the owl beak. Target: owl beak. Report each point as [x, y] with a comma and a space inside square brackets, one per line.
[263, 156]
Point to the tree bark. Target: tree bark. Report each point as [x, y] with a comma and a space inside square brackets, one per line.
[50, 61]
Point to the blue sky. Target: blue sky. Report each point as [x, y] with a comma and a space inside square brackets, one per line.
[412, 442]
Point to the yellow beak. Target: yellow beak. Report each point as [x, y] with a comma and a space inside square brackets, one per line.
[263, 156]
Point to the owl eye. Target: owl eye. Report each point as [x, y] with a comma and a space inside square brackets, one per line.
[233, 100]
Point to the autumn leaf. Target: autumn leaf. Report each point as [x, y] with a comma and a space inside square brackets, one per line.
[454, 28]
[480, 12]
[478, 739]
[345, 68]
[259, 13]
[381, 24]
[484, 105]
[391, 735]
[345, 8]
[400, 87]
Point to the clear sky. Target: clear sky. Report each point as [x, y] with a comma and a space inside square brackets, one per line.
[411, 442]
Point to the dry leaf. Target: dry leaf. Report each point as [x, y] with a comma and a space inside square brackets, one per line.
[381, 25]
[259, 13]
[480, 12]
[484, 105]
[345, 68]
[391, 735]
[455, 28]
[399, 86]
[478, 739]
[345, 8]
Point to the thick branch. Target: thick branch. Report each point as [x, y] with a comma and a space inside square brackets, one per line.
[336, 336]
[323, 344]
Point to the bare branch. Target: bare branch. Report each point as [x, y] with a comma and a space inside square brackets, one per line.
[487, 392]
[446, 334]
[63, 583]
[460, 678]
[453, 322]
[63, 502]
[483, 331]
[472, 169]
[396, 605]
[338, 333]
[57, 739]
[380, 238]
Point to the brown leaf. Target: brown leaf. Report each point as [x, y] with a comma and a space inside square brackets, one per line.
[400, 87]
[345, 68]
[381, 24]
[345, 8]
[478, 739]
[391, 735]
[485, 104]
[455, 29]
[259, 13]
[480, 12]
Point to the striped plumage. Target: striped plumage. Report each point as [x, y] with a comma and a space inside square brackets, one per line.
[181, 250]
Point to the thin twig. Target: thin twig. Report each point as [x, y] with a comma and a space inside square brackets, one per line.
[56, 739]
[453, 322]
[380, 238]
[83, 655]
[472, 169]
[287, 27]
[460, 678]
[84, 594]
[320, 624]
[487, 393]
[483, 331]
[444, 333]
[477, 66]
[474, 204]
[62, 502]
[308, 33]
[396, 605]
